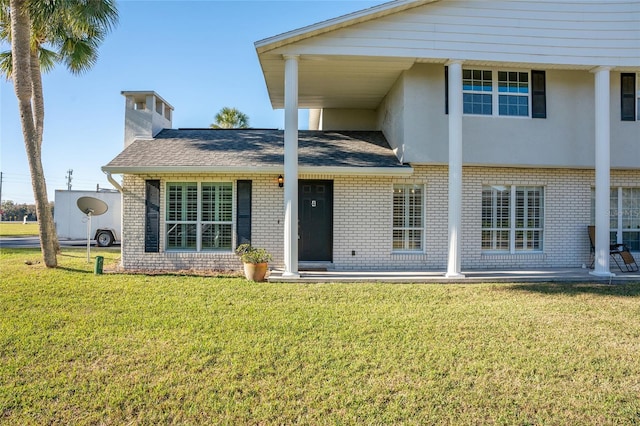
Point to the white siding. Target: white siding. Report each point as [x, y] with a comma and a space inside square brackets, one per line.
[583, 33]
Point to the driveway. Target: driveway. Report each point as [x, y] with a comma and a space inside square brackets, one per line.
[34, 242]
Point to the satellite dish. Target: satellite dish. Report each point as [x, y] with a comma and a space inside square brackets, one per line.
[92, 206]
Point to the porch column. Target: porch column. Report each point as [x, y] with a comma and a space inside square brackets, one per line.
[603, 170]
[291, 166]
[455, 168]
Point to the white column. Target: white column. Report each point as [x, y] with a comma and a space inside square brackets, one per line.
[603, 170]
[291, 166]
[455, 168]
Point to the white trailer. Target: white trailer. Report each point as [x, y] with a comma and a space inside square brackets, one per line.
[71, 222]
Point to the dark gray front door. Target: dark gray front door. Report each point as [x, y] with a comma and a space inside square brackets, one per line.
[315, 216]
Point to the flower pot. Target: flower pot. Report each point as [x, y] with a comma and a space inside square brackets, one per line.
[255, 271]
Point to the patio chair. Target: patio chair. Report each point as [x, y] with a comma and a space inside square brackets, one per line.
[620, 253]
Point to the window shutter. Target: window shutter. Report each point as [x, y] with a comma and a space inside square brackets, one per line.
[243, 211]
[446, 90]
[628, 96]
[538, 94]
[152, 216]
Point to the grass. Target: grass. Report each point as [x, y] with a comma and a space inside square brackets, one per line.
[18, 229]
[79, 348]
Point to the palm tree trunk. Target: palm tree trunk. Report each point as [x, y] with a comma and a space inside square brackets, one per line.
[37, 96]
[23, 85]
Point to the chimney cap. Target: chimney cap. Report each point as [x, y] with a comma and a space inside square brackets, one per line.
[141, 95]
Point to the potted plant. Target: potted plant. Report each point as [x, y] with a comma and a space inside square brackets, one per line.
[255, 260]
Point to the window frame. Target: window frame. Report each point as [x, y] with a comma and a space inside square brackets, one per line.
[199, 222]
[406, 209]
[620, 213]
[495, 92]
[512, 229]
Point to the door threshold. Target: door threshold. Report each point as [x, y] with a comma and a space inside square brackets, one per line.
[315, 266]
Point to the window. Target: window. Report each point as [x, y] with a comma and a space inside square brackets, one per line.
[513, 93]
[624, 216]
[199, 216]
[408, 217]
[505, 93]
[477, 86]
[629, 97]
[512, 218]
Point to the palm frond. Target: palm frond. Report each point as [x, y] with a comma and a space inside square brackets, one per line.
[48, 59]
[6, 64]
[78, 55]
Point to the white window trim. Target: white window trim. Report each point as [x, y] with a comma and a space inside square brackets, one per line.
[619, 230]
[512, 222]
[198, 222]
[495, 101]
[422, 250]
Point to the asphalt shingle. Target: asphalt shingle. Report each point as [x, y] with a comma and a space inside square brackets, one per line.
[256, 148]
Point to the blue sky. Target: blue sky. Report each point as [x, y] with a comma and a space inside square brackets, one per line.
[198, 55]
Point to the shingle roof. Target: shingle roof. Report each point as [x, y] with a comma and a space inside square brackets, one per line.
[254, 150]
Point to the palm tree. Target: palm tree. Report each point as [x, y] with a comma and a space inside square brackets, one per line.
[73, 30]
[230, 118]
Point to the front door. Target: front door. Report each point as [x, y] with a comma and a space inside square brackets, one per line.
[315, 216]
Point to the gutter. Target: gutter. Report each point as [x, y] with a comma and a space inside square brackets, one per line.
[113, 182]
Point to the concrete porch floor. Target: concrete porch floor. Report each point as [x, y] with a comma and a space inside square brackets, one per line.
[477, 276]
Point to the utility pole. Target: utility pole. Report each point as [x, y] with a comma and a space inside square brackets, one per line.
[69, 178]
[0, 195]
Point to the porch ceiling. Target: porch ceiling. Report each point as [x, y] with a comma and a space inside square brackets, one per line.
[335, 81]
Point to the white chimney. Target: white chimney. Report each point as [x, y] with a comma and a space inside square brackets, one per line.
[146, 114]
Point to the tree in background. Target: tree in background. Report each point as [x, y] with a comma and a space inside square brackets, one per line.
[230, 118]
[11, 211]
[43, 33]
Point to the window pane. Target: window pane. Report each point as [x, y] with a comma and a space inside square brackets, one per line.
[217, 202]
[631, 208]
[216, 237]
[408, 217]
[475, 103]
[512, 105]
[181, 236]
[182, 201]
[495, 215]
[631, 239]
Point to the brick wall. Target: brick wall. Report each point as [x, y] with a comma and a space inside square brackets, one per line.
[363, 220]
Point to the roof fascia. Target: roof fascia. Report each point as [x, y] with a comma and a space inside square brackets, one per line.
[334, 170]
[357, 17]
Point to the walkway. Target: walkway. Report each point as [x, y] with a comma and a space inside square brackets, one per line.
[478, 276]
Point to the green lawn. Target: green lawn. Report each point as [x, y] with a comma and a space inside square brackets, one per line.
[78, 348]
[18, 229]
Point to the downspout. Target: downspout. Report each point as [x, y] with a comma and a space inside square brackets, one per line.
[113, 182]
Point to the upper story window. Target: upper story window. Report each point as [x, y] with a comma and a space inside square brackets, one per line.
[629, 97]
[501, 93]
[505, 93]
